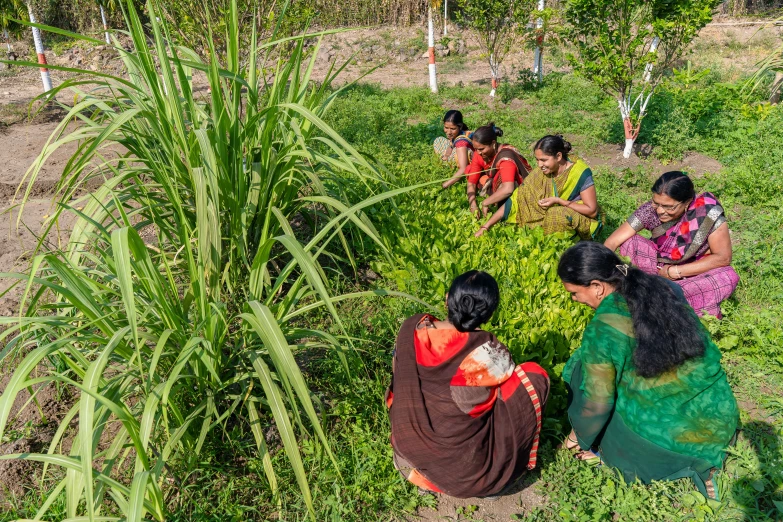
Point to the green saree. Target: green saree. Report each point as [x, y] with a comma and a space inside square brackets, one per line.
[671, 426]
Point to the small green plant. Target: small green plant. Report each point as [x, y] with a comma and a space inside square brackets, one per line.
[499, 24]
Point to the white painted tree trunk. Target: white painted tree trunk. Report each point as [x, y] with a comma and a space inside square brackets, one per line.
[431, 50]
[649, 67]
[7, 40]
[39, 49]
[494, 71]
[777, 86]
[445, 17]
[538, 54]
[105, 25]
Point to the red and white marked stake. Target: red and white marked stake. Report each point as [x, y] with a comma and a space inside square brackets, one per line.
[431, 51]
[39, 48]
[105, 25]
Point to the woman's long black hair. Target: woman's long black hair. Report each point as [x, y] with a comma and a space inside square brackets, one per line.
[668, 333]
[472, 299]
[454, 116]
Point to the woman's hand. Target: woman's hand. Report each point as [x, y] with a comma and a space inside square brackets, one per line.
[480, 232]
[669, 272]
[548, 202]
[475, 210]
[484, 210]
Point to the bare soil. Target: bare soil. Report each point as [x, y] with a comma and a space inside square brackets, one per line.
[390, 57]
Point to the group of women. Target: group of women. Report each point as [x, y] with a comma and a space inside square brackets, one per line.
[647, 394]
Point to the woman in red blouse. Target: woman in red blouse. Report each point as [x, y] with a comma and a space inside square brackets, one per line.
[495, 170]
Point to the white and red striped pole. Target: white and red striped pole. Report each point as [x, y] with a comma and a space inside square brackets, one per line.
[105, 25]
[538, 55]
[431, 50]
[39, 48]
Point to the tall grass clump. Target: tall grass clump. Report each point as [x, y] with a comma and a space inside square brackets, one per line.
[176, 308]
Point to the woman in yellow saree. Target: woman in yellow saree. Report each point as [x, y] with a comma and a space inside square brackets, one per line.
[559, 195]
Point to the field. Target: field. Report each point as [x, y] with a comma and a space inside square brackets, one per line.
[413, 243]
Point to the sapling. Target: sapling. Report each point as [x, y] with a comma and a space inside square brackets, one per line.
[626, 46]
[500, 25]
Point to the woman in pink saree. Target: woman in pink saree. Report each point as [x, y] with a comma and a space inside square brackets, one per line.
[689, 242]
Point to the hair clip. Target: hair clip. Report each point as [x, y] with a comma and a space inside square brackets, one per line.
[623, 269]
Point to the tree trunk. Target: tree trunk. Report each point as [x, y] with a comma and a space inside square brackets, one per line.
[445, 17]
[630, 137]
[493, 71]
[105, 25]
[649, 67]
[777, 86]
[538, 56]
[431, 51]
[39, 49]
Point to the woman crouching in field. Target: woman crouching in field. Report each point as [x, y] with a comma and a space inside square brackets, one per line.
[465, 420]
[559, 195]
[647, 393]
[456, 146]
[690, 242]
[495, 171]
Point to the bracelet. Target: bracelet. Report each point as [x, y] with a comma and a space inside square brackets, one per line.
[485, 227]
[668, 269]
[679, 274]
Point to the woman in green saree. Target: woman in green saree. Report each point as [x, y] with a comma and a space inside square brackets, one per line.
[647, 394]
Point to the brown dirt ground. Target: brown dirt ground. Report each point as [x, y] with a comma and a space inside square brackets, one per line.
[22, 139]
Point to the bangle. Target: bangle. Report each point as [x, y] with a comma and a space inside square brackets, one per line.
[485, 227]
[668, 269]
[679, 274]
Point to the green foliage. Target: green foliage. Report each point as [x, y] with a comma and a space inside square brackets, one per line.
[194, 331]
[613, 38]
[500, 24]
[438, 225]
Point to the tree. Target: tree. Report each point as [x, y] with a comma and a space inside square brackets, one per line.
[625, 46]
[500, 25]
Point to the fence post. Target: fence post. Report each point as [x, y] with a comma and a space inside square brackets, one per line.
[39, 49]
[105, 25]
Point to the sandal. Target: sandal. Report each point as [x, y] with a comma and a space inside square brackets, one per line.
[709, 485]
[569, 443]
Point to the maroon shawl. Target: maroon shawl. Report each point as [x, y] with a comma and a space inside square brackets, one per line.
[465, 447]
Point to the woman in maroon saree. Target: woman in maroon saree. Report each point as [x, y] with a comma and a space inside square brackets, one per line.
[689, 243]
[465, 420]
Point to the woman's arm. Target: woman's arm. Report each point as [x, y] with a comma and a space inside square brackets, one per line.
[472, 200]
[462, 163]
[720, 256]
[493, 219]
[619, 236]
[446, 153]
[505, 189]
[588, 207]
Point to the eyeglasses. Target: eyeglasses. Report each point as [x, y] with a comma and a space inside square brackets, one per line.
[666, 208]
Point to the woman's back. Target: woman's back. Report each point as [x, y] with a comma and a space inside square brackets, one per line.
[689, 410]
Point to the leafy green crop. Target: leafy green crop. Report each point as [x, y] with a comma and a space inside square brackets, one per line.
[536, 318]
